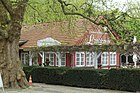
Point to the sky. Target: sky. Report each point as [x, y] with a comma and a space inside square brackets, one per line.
[123, 1]
[120, 3]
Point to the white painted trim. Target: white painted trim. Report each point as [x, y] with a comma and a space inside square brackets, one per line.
[43, 57]
[30, 58]
[80, 53]
[106, 60]
[90, 57]
[52, 61]
[40, 54]
[59, 59]
[49, 41]
[24, 57]
[115, 58]
[96, 61]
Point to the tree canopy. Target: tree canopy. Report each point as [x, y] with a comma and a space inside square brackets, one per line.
[123, 22]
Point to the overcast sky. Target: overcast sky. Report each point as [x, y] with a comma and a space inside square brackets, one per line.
[123, 1]
[120, 3]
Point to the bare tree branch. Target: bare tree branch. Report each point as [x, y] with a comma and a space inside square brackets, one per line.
[63, 4]
[95, 21]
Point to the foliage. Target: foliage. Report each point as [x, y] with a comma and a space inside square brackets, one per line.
[40, 11]
[117, 79]
[122, 79]
[123, 23]
[124, 48]
[120, 23]
[27, 70]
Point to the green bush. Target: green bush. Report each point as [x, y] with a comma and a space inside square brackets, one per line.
[122, 79]
[51, 75]
[27, 70]
[117, 79]
[81, 78]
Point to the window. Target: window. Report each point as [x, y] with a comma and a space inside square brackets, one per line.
[50, 56]
[112, 58]
[89, 58]
[104, 58]
[24, 58]
[63, 59]
[80, 57]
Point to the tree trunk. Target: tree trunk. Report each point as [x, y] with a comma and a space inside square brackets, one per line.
[11, 18]
[10, 66]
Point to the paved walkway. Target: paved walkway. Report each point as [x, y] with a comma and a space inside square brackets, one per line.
[45, 88]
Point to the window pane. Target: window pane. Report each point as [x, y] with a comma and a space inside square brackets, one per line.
[77, 55]
[82, 63]
[80, 58]
[82, 55]
[50, 56]
[77, 63]
[77, 59]
[113, 58]
[105, 58]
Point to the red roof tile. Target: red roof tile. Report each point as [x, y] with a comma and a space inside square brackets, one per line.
[77, 34]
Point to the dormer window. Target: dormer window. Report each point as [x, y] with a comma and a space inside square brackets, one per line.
[47, 42]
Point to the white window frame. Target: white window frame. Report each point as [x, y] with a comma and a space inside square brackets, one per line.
[50, 57]
[80, 61]
[113, 58]
[63, 59]
[104, 58]
[24, 58]
[90, 58]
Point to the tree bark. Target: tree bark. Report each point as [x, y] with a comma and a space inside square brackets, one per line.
[10, 65]
[11, 19]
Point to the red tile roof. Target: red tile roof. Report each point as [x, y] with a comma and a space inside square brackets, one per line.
[68, 34]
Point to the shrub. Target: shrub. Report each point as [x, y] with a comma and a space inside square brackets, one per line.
[117, 79]
[122, 79]
[81, 78]
[27, 70]
[51, 75]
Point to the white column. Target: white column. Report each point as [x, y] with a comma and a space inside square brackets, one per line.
[135, 59]
[58, 55]
[134, 54]
[59, 59]
[30, 58]
[96, 61]
[127, 60]
[43, 58]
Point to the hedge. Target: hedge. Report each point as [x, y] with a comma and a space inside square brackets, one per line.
[122, 79]
[81, 78]
[116, 79]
